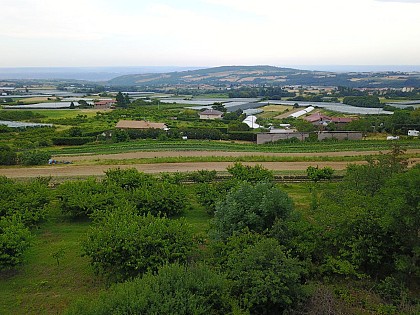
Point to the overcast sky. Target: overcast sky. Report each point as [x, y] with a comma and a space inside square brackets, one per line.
[209, 32]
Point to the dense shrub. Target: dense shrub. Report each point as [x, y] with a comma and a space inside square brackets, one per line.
[208, 194]
[15, 238]
[122, 244]
[84, 197]
[250, 206]
[316, 174]
[244, 136]
[151, 133]
[7, 155]
[161, 198]
[34, 157]
[265, 280]
[120, 135]
[19, 115]
[251, 174]
[175, 289]
[202, 176]
[128, 178]
[72, 140]
[28, 200]
[362, 101]
[201, 133]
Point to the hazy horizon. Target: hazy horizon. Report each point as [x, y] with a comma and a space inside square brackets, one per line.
[109, 72]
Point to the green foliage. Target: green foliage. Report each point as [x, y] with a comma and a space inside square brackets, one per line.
[15, 238]
[122, 244]
[120, 135]
[238, 126]
[160, 198]
[203, 176]
[82, 198]
[201, 133]
[128, 178]
[368, 179]
[72, 140]
[362, 101]
[255, 207]
[316, 174]
[7, 155]
[175, 289]
[27, 200]
[401, 220]
[265, 280]
[19, 115]
[208, 194]
[122, 100]
[34, 157]
[252, 174]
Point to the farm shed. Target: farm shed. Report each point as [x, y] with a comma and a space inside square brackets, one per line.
[211, 114]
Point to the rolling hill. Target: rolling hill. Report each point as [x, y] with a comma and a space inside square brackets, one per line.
[258, 75]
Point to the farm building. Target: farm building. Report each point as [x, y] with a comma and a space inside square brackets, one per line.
[320, 119]
[302, 112]
[340, 135]
[211, 114]
[140, 124]
[324, 135]
[104, 104]
[273, 137]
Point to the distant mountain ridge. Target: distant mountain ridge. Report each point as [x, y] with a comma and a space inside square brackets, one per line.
[264, 74]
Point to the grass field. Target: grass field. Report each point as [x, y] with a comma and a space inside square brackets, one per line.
[255, 158]
[43, 286]
[63, 113]
[197, 145]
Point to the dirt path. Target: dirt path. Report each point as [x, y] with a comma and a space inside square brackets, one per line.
[74, 170]
[86, 170]
[158, 154]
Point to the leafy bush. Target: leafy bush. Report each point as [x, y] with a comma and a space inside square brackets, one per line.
[316, 174]
[251, 174]
[72, 140]
[128, 178]
[250, 206]
[362, 101]
[122, 245]
[34, 157]
[15, 238]
[203, 176]
[175, 289]
[84, 197]
[28, 200]
[120, 135]
[265, 279]
[7, 155]
[208, 194]
[244, 136]
[160, 199]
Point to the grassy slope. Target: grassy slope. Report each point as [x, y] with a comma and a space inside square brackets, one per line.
[42, 286]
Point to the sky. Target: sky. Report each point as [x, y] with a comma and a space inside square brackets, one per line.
[195, 33]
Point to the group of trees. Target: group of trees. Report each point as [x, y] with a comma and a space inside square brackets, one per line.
[22, 206]
[363, 101]
[260, 256]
